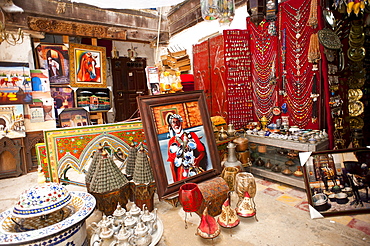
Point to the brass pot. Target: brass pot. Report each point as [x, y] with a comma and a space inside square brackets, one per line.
[243, 157]
[241, 144]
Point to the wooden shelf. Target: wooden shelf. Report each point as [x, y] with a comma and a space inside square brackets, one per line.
[288, 144]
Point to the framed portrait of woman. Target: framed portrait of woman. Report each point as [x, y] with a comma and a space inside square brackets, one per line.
[180, 139]
[87, 65]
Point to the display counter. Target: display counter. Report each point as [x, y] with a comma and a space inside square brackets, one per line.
[284, 165]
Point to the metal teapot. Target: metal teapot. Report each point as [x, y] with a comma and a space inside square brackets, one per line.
[149, 219]
[141, 235]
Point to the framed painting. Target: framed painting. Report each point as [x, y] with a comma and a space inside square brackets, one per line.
[337, 181]
[181, 143]
[12, 121]
[63, 97]
[74, 117]
[87, 65]
[54, 58]
[15, 83]
[96, 99]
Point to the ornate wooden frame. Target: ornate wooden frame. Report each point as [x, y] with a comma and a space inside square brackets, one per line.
[153, 111]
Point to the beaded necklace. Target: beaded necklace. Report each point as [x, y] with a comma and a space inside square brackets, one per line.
[297, 80]
[263, 70]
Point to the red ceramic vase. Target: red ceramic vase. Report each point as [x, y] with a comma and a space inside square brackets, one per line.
[190, 197]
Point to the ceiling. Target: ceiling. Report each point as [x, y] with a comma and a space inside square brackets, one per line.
[129, 4]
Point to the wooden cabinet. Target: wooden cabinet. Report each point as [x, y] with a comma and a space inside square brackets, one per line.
[276, 151]
[11, 160]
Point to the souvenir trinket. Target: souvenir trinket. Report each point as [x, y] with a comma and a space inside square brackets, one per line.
[228, 217]
[208, 227]
[245, 206]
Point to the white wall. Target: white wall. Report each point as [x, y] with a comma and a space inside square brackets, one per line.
[143, 50]
[18, 53]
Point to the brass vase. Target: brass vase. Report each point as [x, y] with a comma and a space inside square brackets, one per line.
[229, 174]
[245, 181]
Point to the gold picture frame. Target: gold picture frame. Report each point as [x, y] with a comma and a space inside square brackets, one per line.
[87, 66]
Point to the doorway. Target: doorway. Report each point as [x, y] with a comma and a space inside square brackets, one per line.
[129, 81]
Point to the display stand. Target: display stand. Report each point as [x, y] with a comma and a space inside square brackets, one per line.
[273, 146]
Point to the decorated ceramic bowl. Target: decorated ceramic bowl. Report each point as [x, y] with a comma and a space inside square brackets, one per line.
[41, 200]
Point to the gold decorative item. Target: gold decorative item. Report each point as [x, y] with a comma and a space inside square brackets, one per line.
[264, 121]
[356, 123]
[229, 174]
[228, 217]
[354, 94]
[245, 182]
[356, 53]
[355, 108]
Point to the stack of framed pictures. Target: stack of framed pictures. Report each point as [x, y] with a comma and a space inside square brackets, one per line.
[77, 76]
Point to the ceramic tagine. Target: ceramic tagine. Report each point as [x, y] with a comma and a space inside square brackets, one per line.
[47, 212]
[298, 172]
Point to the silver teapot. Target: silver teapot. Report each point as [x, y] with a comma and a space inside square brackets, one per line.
[122, 238]
[141, 235]
[149, 219]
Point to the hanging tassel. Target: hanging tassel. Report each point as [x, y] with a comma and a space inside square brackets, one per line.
[314, 54]
[312, 20]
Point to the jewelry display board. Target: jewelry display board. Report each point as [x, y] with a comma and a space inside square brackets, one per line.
[238, 74]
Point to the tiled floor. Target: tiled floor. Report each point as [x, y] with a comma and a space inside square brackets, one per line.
[282, 212]
[297, 198]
